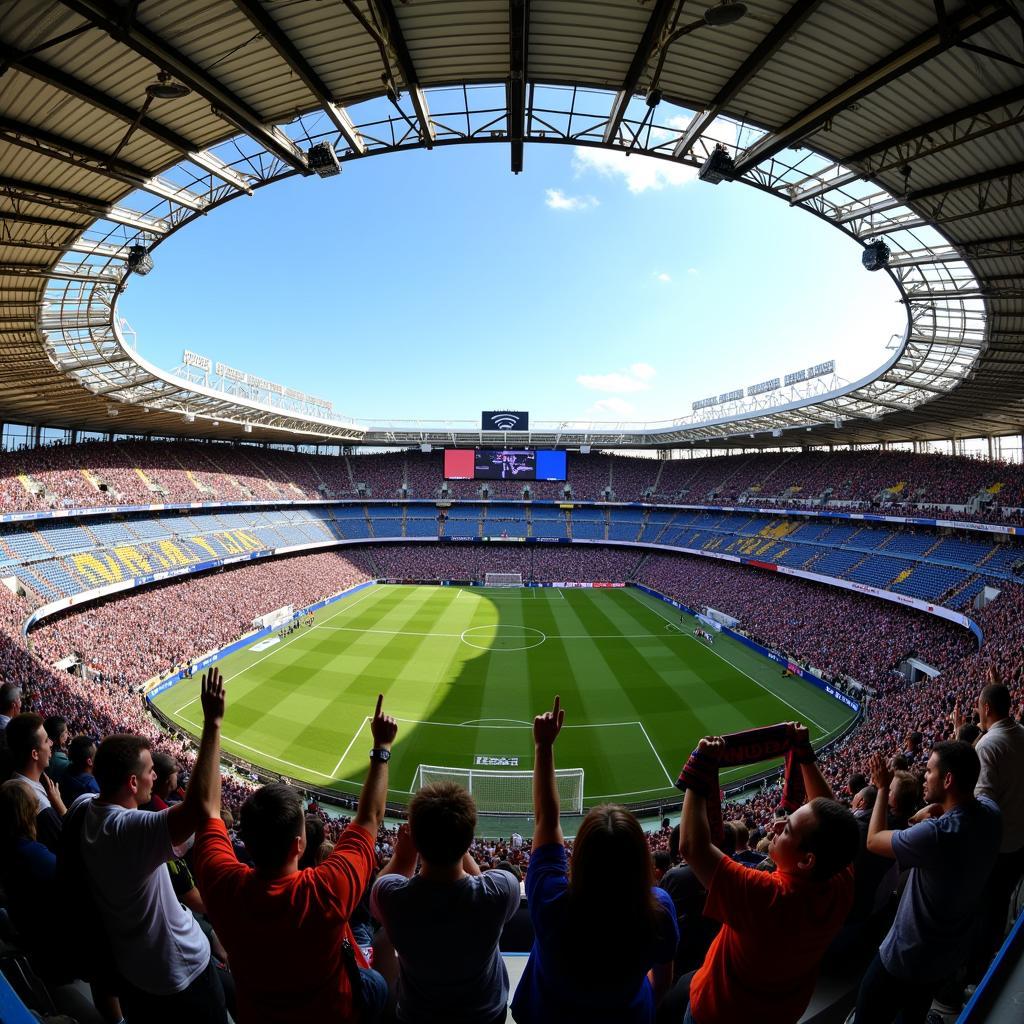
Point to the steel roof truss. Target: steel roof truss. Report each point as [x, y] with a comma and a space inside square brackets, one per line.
[516, 89]
[108, 16]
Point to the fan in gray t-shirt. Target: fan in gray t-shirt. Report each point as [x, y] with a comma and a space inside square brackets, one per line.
[445, 922]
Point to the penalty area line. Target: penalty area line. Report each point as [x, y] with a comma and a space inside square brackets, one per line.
[351, 744]
[656, 754]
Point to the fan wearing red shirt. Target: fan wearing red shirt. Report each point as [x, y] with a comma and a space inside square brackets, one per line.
[776, 926]
[286, 930]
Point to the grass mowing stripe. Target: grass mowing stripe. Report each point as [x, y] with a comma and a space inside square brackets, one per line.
[639, 693]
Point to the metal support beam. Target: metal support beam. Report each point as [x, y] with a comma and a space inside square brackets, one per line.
[518, 71]
[44, 72]
[644, 51]
[888, 202]
[289, 52]
[38, 140]
[10, 216]
[110, 17]
[918, 51]
[45, 195]
[797, 14]
[396, 40]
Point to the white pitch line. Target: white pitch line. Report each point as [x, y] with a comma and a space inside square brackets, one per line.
[362, 724]
[277, 648]
[656, 754]
[525, 725]
[767, 689]
[550, 636]
[263, 753]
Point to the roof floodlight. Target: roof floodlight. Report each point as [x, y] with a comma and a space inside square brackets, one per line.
[777, 432]
[724, 14]
[189, 417]
[247, 428]
[323, 160]
[112, 411]
[718, 167]
[875, 255]
[165, 88]
[139, 260]
[654, 97]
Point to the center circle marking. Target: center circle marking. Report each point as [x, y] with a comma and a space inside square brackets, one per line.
[531, 637]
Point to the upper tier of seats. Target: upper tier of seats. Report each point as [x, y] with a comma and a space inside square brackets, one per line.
[58, 558]
[131, 473]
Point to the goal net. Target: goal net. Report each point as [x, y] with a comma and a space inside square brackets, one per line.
[504, 792]
[503, 579]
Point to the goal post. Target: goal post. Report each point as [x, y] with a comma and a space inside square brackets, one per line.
[504, 792]
[503, 579]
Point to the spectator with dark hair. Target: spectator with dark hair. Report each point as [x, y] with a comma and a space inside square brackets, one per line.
[600, 924]
[688, 895]
[317, 973]
[57, 729]
[904, 799]
[165, 770]
[161, 954]
[29, 749]
[314, 840]
[743, 854]
[446, 921]
[10, 703]
[1001, 753]
[79, 778]
[775, 925]
[950, 852]
[662, 863]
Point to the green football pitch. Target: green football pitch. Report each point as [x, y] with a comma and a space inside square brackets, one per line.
[464, 670]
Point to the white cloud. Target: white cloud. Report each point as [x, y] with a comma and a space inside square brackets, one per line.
[663, 277]
[639, 172]
[637, 378]
[693, 270]
[558, 200]
[618, 407]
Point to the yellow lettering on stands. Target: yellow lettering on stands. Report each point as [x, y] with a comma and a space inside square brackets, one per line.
[250, 540]
[133, 559]
[206, 546]
[173, 553]
[96, 571]
[230, 545]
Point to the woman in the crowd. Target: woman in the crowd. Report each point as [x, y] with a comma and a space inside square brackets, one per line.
[601, 927]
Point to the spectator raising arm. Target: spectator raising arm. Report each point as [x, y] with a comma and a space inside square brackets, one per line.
[879, 837]
[695, 832]
[374, 794]
[546, 727]
[814, 782]
[202, 798]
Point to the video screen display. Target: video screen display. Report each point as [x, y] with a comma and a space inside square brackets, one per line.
[503, 464]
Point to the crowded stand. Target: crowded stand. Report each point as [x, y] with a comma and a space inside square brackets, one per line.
[124, 641]
[143, 472]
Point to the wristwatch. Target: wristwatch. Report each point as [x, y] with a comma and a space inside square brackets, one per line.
[380, 754]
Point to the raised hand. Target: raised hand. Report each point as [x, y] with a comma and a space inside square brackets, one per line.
[881, 773]
[546, 727]
[712, 746]
[53, 794]
[213, 697]
[383, 727]
[801, 734]
[993, 676]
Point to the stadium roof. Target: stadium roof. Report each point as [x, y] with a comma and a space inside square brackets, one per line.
[899, 121]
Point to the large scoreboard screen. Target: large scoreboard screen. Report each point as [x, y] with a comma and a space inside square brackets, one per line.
[503, 464]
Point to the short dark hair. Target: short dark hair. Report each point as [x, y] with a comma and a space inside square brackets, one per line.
[117, 760]
[662, 860]
[858, 780]
[80, 749]
[164, 764]
[997, 697]
[512, 869]
[315, 833]
[10, 694]
[54, 726]
[271, 819]
[442, 820]
[835, 841]
[960, 760]
[22, 735]
[673, 843]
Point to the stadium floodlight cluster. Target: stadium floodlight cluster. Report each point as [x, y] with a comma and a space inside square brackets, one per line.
[504, 792]
[875, 255]
[139, 260]
[323, 160]
[718, 167]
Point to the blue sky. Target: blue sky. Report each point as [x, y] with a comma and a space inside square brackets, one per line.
[436, 284]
